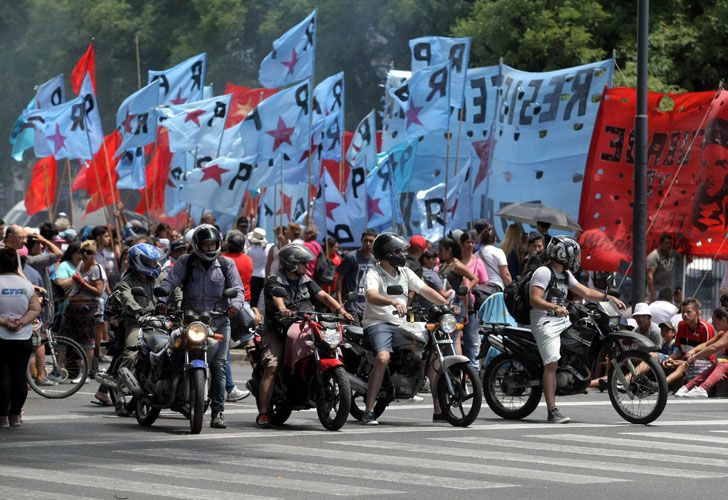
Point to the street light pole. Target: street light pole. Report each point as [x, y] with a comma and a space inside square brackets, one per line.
[639, 226]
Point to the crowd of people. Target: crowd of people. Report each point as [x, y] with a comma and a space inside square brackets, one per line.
[67, 278]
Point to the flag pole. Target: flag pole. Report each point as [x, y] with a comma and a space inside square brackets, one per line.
[447, 172]
[59, 188]
[70, 188]
[310, 150]
[138, 62]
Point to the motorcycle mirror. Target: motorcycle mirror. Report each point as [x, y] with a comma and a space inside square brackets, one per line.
[159, 292]
[138, 291]
[395, 290]
[279, 292]
[230, 293]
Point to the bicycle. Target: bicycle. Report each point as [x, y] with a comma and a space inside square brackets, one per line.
[66, 366]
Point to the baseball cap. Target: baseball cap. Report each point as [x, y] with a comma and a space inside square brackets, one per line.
[419, 242]
[669, 326]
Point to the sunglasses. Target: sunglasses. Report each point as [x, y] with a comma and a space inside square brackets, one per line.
[87, 252]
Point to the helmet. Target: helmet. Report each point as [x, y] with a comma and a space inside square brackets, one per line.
[203, 233]
[566, 251]
[144, 258]
[293, 254]
[391, 247]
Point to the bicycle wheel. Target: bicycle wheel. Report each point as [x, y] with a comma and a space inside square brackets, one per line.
[66, 368]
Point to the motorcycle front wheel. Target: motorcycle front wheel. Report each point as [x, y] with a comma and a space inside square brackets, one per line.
[461, 407]
[146, 415]
[644, 398]
[506, 388]
[197, 399]
[334, 401]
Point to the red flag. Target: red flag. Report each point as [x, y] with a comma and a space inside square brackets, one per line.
[598, 252]
[157, 174]
[87, 63]
[42, 189]
[244, 99]
[687, 188]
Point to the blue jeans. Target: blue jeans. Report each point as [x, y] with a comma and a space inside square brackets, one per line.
[471, 340]
[218, 363]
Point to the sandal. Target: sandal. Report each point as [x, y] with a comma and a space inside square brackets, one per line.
[102, 400]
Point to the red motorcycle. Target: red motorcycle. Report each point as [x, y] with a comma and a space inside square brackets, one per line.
[312, 374]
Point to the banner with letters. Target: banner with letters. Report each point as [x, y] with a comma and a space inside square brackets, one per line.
[687, 172]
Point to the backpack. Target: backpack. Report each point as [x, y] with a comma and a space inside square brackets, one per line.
[324, 271]
[517, 296]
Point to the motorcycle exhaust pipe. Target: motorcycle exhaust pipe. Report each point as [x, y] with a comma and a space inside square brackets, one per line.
[357, 384]
[128, 380]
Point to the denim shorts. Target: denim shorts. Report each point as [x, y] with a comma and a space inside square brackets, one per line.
[380, 336]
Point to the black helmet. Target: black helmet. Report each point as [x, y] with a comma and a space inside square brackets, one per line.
[565, 251]
[201, 234]
[391, 247]
[293, 254]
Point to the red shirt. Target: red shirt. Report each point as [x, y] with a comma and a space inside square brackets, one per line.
[686, 340]
[331, 288]
[244, 264]
[315, 248]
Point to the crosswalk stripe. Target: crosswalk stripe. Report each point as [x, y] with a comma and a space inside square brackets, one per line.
[278, 481]
[326, 469]
[25, 493]
[118, 486]
[621, 455]
[652, 445]
[681, 437]
[441, 465]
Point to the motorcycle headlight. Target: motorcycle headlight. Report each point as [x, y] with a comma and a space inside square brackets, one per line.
[448, 323]
[332, 337]
[196, 332]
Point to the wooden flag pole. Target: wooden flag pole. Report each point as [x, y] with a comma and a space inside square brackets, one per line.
[447, 172]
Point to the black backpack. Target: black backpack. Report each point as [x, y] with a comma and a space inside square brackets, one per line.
[517, 296]
[324, 272]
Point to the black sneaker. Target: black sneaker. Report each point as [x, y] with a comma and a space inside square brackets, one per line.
[439, 417]
[555, 417]
[369, 419]
[218, 420]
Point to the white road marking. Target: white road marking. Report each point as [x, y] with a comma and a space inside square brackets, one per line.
[652, 445]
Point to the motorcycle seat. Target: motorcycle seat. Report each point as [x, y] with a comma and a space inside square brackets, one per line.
[518, 331]
[356, 332]
[155, 341]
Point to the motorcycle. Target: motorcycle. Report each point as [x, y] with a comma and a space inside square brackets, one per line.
[315, 378]
[171, 370]
[416, 343]
[636, 382]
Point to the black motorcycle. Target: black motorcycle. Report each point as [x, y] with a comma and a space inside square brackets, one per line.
[636, 382]
[416, 343]
[171, 370]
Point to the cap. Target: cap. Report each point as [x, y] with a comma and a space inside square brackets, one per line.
[641, 309]
[419, 242]
[669, 326]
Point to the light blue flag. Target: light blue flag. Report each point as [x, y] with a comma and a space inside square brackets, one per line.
[179, 166]
[93, 115]
[328, 101]
[382, 196]
[131, 170]
[198, 124]
[431, 50]
[401, 160]
[293, 56]
[543, 129]
[182, 83]
[50, 93]
[282, 207]
[136, 119]
[219, 186]
[431, 206]
[425, 101]
[22, 134]
[331, 136]
[361, 156]
[65, 130]
[279, 125]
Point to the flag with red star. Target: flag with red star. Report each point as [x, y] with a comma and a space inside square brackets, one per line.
[198, 124]
[293, 55]
[219, 186]
[279, 125]
[136, 119]
[23, 135]
[330, 211]
[425, 100]
[182, 83]
[431, 206]
[244, 100]
[382, 196]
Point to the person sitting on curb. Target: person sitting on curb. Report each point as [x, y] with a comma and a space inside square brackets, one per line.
[718, 370]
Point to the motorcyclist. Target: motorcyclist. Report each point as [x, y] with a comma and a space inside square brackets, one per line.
[203, 276]
[380, 320]
[301, 292]
[143, 271]
[549, 286]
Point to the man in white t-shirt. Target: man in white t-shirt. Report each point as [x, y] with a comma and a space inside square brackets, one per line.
[383, 312]
[549, 316]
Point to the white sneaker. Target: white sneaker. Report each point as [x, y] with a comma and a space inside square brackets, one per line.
[236, 395]
[681, 392]
[417, 399]
[697, 393]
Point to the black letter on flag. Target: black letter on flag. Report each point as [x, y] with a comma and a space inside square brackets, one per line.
[244, 170]
[438, 84]
[422, 52]
[196, 77]
[77, 117]
[302, 98]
